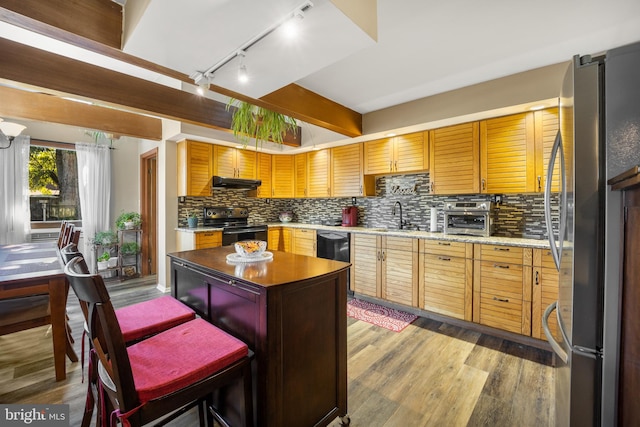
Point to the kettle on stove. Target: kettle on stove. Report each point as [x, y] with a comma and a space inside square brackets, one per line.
[350, 216]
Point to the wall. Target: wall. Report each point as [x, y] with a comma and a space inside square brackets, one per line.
[518, 215]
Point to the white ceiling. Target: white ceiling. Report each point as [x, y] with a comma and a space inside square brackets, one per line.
[424, 47]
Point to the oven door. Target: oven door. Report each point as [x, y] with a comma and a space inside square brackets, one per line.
[231, 235]
[472, 223]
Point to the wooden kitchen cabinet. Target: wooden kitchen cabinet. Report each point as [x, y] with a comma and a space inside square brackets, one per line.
[399, 154]
[304, 242]
[195, 168]
[446, 278]
[545, 291]
[280, 239]
[455, 159]
[507, 154]
[502, 287]
[282, 176]
[187, 240]
[264, 171]
[546, 127]
[233, 162]
[312, 174]
[347, 177]
[386, 267]
[300, 175]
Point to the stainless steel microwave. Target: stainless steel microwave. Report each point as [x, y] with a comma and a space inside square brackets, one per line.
[470, 218]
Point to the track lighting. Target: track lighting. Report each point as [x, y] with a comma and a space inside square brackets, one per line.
[11, 130]
[292, 17]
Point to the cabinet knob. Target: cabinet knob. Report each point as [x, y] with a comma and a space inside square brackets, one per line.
[484, 184]
[539, 183]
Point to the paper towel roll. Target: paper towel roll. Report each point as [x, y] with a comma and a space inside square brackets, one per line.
[434, 220]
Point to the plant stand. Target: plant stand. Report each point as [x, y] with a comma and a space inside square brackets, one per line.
[109, 273]
[129, 265]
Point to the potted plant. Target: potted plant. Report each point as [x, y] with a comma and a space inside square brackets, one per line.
[192, 220]
[103, 260]
[250, 121]
[128, 220]
[104, 238]
[128, 250]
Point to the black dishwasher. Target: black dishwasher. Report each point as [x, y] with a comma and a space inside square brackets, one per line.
[334, 245]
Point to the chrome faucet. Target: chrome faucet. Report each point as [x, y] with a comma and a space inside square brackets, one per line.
[393, 212]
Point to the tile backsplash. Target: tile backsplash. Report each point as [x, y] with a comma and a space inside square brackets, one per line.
[519, 215]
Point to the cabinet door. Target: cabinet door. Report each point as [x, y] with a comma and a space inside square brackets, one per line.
[318, 166]
[189, 286]
[282, 176]
[224, 161]
[546, 128]
[304, 242]
[378, 156]
[346, 171]
[455, 163]
[545, 292]
[246, 164]
[195, 168]
[210, 239]
[300, 175]
[263, 173]
[399, 270]
[366, 261]
[411, 152]
[507, 154]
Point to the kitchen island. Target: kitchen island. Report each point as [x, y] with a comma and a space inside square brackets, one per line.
[291, 312]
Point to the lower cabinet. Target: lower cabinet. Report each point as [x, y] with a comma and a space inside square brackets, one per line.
[304, 242]
[446, 278]
[545, 292]
[386, 267]
[279, 239]
[502, 287]
[187, 240]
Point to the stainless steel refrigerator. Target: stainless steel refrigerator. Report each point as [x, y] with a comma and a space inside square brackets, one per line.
[583, 224]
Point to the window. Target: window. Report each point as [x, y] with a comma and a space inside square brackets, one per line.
[53, 182]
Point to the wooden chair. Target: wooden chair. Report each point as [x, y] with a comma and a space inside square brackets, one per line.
[137, 321]
[165, 374]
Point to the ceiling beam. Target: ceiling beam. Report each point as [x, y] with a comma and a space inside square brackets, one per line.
[97, 20]
[62, 75]
[19, 104]
[312, 108]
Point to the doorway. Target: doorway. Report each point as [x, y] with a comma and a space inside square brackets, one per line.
[149, 204]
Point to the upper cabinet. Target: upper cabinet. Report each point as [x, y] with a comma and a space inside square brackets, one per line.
[455, 159]
[264, 170]
[347, 172]
[300, 175]
[312, 174]
[400, 154]
[195, 168]
[234, 163]
[507, 154]
[282, 176]
[546, 128]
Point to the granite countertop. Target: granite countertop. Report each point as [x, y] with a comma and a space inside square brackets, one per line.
[492, 240]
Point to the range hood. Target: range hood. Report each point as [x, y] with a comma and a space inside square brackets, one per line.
[235, 183]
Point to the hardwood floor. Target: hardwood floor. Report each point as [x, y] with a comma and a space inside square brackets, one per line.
[430, 374]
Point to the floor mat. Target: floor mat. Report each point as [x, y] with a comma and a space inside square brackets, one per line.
[389, 318]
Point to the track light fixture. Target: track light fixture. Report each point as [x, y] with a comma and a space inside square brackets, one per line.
[11, 130]
[295, 15]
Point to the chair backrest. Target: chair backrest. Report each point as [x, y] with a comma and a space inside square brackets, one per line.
[70, 252]
[104, 330]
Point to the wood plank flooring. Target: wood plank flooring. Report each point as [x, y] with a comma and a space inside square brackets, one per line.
[430, 374]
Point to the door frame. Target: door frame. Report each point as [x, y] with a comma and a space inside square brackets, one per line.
[149, 210]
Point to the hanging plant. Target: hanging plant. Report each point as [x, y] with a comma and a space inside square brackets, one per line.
[252, 122]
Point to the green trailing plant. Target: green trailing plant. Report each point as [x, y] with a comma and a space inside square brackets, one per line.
[133, 217]
[252, 122]
[105, 256]
[129, 248]
[193, 214]
[108, 237]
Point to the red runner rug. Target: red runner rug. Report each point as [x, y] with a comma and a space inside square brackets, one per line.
[389, 318]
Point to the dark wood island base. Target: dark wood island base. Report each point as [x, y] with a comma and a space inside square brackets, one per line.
[291, 311]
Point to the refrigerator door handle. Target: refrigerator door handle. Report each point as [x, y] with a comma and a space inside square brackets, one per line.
[555, 251]
[555, 345]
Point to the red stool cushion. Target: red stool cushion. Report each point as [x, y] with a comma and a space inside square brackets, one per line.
[150, 317]
[180, 356]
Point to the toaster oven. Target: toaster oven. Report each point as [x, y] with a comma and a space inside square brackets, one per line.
[470, 218]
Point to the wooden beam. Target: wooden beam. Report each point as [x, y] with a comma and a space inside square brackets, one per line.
[41, 107]
[35, 67]
[98, 20]
[332, 116]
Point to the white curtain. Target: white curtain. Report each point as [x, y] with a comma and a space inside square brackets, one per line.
[94, 182]
[15, 217]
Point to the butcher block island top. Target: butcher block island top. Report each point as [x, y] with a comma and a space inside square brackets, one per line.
[291, 310]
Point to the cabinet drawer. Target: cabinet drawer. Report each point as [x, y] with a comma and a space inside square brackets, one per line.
[439, 247]
[501, 314]
[208, 239]
[304, 233]
[547, 259]
[444, 285]
[501, 280]
[500, 253]
[369, 240]
[401, 244]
